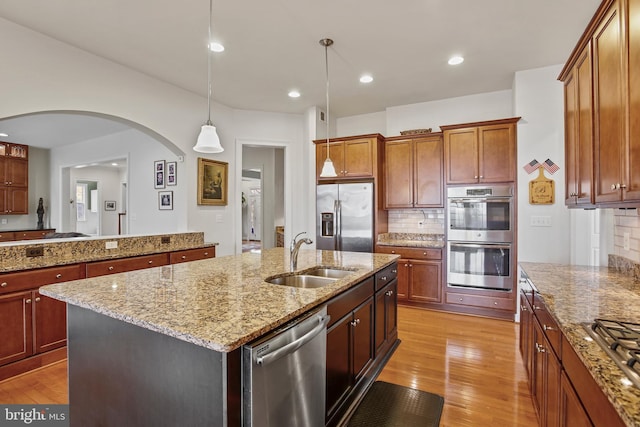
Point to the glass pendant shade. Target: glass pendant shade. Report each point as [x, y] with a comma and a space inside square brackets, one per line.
[208, 140]
[328, 170]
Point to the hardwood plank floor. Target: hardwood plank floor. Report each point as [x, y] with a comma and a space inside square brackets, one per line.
[474, 363]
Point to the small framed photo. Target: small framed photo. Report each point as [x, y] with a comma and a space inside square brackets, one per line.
[110, 205]
[159, 173]
[165, 200]
[171, 173]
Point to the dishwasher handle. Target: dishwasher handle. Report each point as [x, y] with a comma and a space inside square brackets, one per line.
[293, 346]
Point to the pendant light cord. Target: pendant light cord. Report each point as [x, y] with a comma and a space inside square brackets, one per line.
[209, 123]
[326, 43]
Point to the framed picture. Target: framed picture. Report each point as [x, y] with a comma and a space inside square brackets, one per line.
[158, 169]
[165, 200]
[212, 182]
[110, 205]
[171, 173]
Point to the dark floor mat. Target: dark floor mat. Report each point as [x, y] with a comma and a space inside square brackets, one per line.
[391, 405]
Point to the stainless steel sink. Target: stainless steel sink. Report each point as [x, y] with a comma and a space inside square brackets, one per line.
[334, 273]
[302, 281]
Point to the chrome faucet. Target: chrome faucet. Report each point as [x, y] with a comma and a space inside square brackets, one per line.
[295, 248]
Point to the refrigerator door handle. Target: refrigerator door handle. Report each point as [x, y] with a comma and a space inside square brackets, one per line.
[337, 211]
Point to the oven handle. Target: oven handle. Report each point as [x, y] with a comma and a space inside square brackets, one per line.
[480, 245]
[481, 199]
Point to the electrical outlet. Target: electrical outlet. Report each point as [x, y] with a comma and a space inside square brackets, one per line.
[111, 245]
[625, 241]
[33, 252]
[165, 239]
[219, 218]
[4, 221]
[540, 221]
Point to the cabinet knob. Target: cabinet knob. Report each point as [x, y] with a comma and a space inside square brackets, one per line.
[481, 176]
[28, 301]
[460, 299]
[3, 285]
[548, 328]
[184, 257]
[150, 262]
[58, 276]
[355, 322]
[389, 293]
[393, 252]
[424, 254]
[623, 186]
[475, 177]
[110, 268]
[394, 271]
[206, 253]
[539, 348]
[37, 299]
[535, 307]
[523, 308]
[383, 278]
[406, 265]
[495, 303]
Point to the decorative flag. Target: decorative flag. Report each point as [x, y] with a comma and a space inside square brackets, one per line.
[531, 166]
[550, 167]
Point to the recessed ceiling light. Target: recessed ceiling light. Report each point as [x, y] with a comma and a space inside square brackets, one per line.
[216, 47]
[114, 164]
[366, 78]
[294, 94]
[3, 135]
[455, 60]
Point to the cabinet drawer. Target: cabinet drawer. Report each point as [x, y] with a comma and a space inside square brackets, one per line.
[386, 276]
[548, 324]
[31, 279]
[31, 235]
[479, 301]
[411, 253]
[192, 255]
[7, 236]
[346, 302]
[122, 265]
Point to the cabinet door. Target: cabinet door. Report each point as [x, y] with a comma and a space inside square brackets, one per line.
[386, 316]
[428, 173]
[609, 111]
[336, 152]
[358, 158]
[496, 153]
[15, 326]
[403, 279]
[525, 333]
[17, 200]
[572, 412]
[50, 323]
[425, 284]
[537, 370]
[584, 137]
[17, 172]
[632, 178]
[398, 174]
[363, 333]
[338, 363]
[461, 155]
[571, 139]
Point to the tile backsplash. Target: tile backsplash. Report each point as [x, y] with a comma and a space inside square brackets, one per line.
[420, 221]
[627, 223]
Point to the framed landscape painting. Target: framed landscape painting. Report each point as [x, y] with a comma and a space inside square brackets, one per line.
[212, 182]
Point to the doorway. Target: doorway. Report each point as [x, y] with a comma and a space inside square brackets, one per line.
[251, 210]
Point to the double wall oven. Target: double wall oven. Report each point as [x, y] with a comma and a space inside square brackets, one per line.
[480, 237]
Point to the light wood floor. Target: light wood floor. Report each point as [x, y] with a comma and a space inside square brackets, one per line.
[474, 363]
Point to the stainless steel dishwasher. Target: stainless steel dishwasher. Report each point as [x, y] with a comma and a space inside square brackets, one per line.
[284, 375]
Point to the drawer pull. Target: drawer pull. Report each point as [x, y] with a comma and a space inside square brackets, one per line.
[394, 271]
[495, 303]
[539, 348]
[523, 308]
[3, 285]
[150, 262]
[424, 254]
[393, 252]
[110, 268]
[389, 293]
[58, 276]
[383, 278]
[548, 328]
[206, 253]
[537, 307]
[184, 257]
[460, 299]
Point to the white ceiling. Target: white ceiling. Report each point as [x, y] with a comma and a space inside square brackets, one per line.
[272, 46]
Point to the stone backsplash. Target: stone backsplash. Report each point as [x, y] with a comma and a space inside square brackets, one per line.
[416, 221]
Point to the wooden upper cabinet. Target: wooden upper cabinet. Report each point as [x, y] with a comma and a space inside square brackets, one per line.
[14, 178]
[609, 111]
[413, 174]
[632, 150]
[578, 119]
[482, 152]
[353, 157]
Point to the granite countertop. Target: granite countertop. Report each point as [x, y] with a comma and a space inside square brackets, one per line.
[411, 240]
[218, 303]
[578, 294]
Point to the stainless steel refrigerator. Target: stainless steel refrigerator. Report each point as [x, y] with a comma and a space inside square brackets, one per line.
[344, 217]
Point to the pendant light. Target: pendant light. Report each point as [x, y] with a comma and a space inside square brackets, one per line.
[328, 170]
[208, 140]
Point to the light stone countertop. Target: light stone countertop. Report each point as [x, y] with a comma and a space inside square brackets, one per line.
[578, 294]
[218, 303]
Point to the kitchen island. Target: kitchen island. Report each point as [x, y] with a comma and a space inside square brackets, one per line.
[161, 346]
[574, 296]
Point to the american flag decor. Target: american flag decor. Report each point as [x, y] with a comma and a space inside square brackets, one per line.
[550, 167]
[532, 166]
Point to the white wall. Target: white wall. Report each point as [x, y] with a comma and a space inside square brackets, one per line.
[47, 75]
[362, 124]
[539, 101]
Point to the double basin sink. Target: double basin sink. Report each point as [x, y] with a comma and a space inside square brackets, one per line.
[317, 277]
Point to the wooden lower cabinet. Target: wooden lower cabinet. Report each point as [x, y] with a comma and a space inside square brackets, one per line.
[50, 325]
[16, 329]
[545, 377]
[386, 316]
[101, 268]
[526, 325]
[192, 255]
[572, 412]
